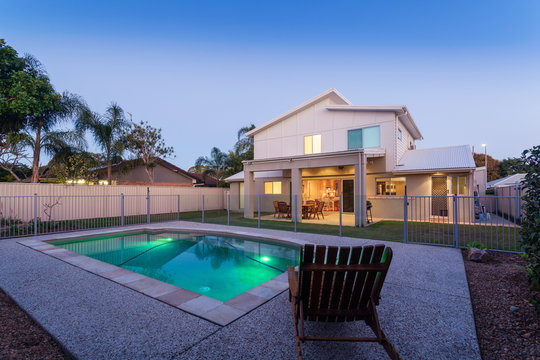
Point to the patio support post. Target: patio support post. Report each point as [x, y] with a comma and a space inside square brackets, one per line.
[363, 190]
[296, 180]
[249, 191]
[357, 192]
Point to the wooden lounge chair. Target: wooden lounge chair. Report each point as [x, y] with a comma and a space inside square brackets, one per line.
[336, 284]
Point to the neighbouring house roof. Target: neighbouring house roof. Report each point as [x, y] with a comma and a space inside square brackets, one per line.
[328, 93]
[443, 158]
[506, 181]
[259, 174]
[204, 180]
[400, 110]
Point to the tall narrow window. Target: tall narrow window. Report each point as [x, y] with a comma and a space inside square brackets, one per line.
[312, 144]
[399, 134]
[241, 195]
[367, 137]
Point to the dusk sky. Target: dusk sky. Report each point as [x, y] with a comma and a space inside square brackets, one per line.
[469, 71]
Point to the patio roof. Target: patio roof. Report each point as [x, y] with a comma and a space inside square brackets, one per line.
[434, 159]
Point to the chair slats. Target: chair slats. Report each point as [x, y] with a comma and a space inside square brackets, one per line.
[328, 279]
[305, 276]
[360, 280]
[350, 278]
[316, 281]
[337, 290]
[370, 277]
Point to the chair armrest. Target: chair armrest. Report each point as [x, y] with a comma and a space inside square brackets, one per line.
[293, 281]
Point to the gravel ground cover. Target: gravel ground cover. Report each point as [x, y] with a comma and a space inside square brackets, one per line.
[506, 325]
[21, 337]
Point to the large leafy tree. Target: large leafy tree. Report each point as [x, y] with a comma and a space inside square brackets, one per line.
[15, 93]
[244, 144]
[107, 131]
[147, 145]
[530, 229]
[511, 166]
[493, 165]
[12, 152]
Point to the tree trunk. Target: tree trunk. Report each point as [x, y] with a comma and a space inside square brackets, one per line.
[11, 172]
[150, 173]
[37, 151]
[109, 170]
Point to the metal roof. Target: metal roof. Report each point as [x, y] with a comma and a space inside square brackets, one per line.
[443, 158]
[239, 176]
[509, 180]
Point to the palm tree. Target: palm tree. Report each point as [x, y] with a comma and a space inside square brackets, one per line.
[107, 131]
[57, 144]
[244, 144]
[215, 165]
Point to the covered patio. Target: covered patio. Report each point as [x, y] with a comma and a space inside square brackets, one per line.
[329, 181]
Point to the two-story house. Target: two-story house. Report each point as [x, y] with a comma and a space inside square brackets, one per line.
[328, 149]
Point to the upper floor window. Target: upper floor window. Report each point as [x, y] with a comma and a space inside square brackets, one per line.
[391, 186]
[367, 137]
[312, 144]
[399, 134]
[272, 187]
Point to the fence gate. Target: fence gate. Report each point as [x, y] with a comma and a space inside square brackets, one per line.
[492, 222]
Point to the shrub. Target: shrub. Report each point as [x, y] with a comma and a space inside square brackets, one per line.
[530, 229]
[476, 245]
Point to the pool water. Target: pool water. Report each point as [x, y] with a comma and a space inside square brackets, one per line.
[217, 266]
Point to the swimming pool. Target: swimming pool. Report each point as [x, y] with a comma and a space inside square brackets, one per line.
[218, 266]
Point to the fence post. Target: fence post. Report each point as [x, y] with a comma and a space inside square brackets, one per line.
[35, 214]
[259, 211]
[122, 209]
[455, 220]
[517, 209]
[178, 217]
[148, 205]
[340, 213]
[405, 219]
[295, 212]
[203, 208]
[228, 209]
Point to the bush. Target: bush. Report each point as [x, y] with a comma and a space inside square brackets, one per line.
[475, 245]
[530, 229]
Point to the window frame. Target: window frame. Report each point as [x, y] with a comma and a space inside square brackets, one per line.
[457, 185]
[362, 137]
[399, 134]
[389, 179]
[273, 184]
[313, 143]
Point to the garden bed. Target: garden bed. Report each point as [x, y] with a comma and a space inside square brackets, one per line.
[21, 337]
[506, 325]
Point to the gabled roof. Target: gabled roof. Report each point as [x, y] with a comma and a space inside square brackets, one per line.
[434, 159]
[509, 180]
[328, 93]
[400, 110]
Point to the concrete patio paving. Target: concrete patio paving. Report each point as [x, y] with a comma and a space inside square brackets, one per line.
[425, 309]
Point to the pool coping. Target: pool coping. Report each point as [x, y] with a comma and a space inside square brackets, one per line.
[218, 312]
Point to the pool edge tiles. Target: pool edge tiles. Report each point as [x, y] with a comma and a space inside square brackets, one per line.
[218, 312]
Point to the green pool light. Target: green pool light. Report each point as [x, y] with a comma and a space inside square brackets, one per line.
[265, 258]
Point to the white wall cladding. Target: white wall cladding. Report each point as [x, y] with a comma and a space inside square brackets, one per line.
[286, 138]
[69, 202]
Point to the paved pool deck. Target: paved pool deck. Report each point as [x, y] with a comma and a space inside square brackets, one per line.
[425, 308]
